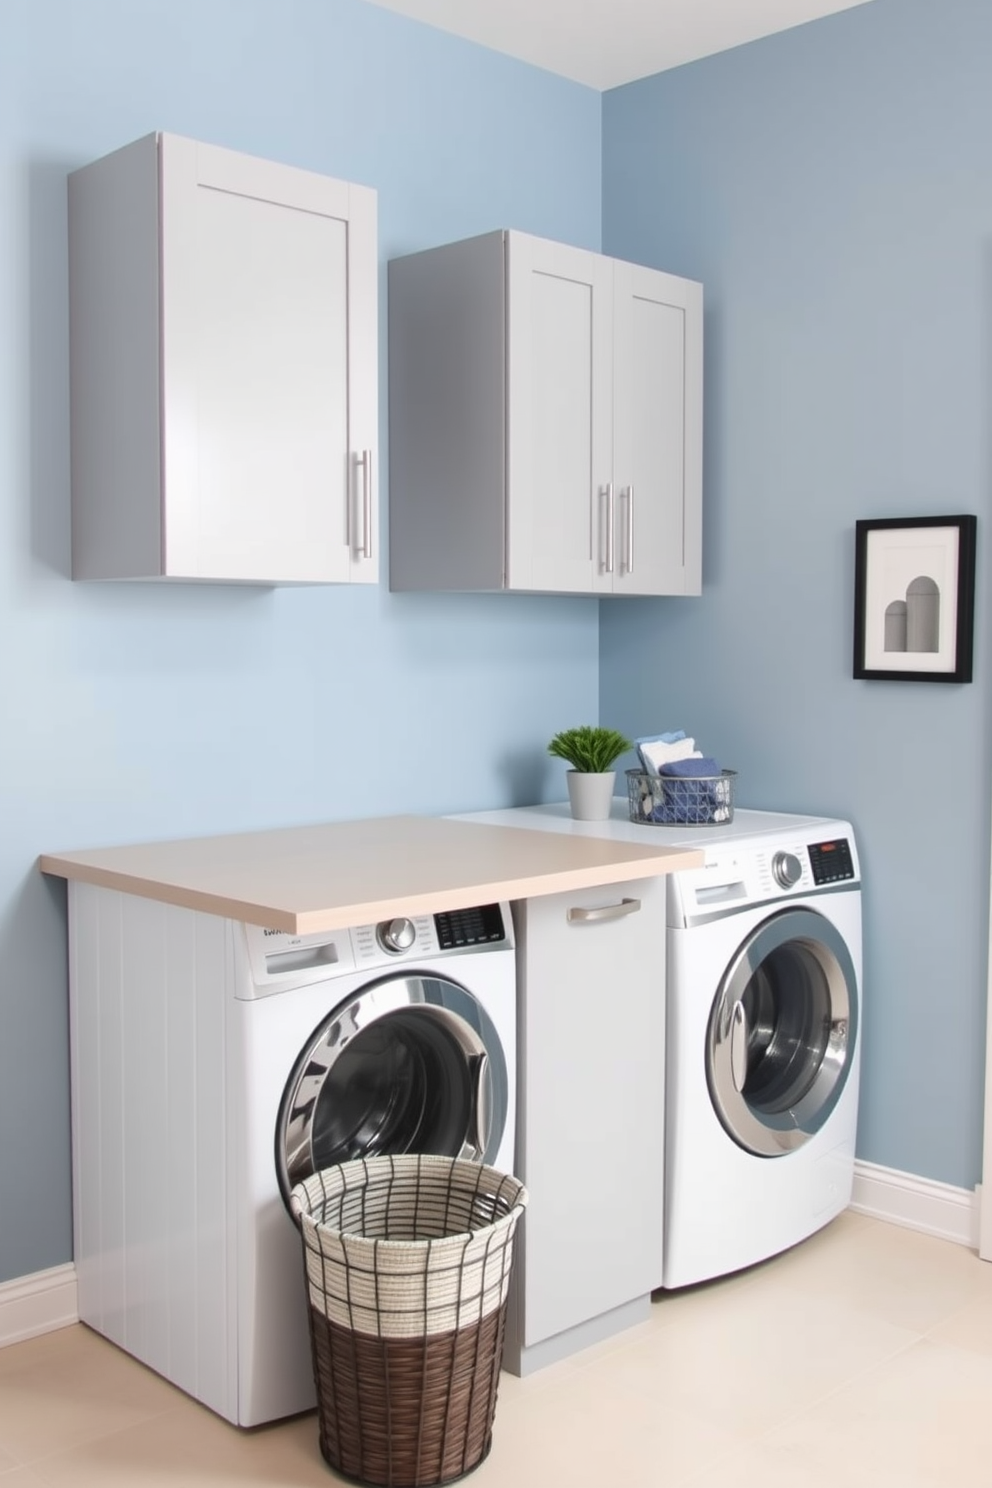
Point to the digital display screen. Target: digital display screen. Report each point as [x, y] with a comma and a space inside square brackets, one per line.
[831, 861]
[467, 927]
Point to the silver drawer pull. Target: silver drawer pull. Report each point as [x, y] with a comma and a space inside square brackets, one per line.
[604, 912]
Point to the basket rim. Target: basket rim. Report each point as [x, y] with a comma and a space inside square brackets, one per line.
[413, 1163]
[681, 779]
[437, 1243]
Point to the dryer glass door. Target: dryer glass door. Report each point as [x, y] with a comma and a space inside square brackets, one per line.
[408, 1064]
[782, 1032]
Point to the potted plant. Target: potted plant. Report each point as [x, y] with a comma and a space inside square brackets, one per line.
[591, 751]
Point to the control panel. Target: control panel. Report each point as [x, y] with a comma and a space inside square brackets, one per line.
[470, 927]
[755, 872]
[831, 861]
[279, 958]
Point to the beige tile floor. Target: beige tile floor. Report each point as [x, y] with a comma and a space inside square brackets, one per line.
[861, 1359]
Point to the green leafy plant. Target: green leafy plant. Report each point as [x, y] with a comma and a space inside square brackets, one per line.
[589, 748]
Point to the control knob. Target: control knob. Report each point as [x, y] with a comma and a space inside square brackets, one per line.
[787, 869]
[396, 935]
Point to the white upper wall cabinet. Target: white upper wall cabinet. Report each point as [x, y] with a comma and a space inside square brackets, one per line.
[545, 418]
[223, 360]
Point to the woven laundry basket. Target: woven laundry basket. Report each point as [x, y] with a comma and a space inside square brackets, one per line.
[408, 1262]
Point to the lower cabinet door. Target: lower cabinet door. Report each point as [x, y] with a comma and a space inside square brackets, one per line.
[593, 1097]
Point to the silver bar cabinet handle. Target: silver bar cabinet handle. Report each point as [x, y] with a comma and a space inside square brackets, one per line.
[603, 912]
[608, 566]
[629, 565]
[365, 460]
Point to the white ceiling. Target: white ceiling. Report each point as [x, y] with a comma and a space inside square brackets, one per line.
[607, 42]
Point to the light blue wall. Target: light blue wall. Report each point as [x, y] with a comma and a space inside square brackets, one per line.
[133, 712]
[832, 188]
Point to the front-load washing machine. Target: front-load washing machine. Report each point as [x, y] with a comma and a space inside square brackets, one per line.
[215, 1064]
[764, 1016]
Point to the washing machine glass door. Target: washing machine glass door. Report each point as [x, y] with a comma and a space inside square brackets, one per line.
[408, 1064]
[782, 1032]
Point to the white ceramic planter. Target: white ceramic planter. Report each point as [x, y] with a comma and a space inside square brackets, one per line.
[590, 795]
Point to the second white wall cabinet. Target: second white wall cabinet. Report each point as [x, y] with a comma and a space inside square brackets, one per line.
[545, 421]
[223, 360]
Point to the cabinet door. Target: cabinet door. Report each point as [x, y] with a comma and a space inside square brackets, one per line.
[268, 304]
[657, 431]
[592, 1118]
[559, 415]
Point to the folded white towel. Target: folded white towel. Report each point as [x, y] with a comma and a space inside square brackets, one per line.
[655, 753]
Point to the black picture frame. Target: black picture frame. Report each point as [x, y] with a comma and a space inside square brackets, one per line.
[914, 599]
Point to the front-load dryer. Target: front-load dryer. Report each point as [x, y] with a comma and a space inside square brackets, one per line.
[217, 1063]
[763, 1030]
[764, 1044]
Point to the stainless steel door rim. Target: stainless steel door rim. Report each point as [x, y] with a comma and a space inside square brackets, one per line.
[782, 1032]
[408, 1064]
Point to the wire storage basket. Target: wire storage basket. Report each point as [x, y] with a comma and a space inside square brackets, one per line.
[408, 1261]
[681, 800]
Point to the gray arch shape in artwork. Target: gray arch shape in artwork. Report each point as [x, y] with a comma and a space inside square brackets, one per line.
[923, 614]
[895, 625]
[913, 623]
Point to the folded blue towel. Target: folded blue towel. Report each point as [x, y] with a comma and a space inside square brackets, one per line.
[694, 792]
[704, 765]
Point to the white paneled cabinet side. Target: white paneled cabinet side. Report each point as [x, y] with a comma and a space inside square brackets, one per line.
[223, 369]
[591, 1117]
[545, 421]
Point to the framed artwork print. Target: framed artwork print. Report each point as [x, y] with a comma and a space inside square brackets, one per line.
[914, 599]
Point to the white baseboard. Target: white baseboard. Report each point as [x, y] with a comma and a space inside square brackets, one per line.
[46, 1300]
[918, 1203]
[38, 1303]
